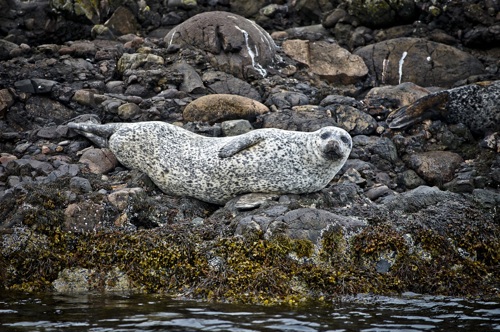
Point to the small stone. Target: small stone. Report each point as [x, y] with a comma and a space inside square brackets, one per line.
[235, 127]
[79, 184]
[84, 97]
[128, 111]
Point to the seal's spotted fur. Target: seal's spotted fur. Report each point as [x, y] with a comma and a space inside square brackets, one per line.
[216, 169]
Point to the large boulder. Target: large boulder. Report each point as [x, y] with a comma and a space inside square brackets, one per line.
[232, 43]
[420, 61]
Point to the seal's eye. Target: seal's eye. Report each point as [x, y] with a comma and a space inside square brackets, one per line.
[325, 135]
[344, 139]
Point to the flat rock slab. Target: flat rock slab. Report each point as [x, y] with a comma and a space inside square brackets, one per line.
[232, 43]
[420, 61]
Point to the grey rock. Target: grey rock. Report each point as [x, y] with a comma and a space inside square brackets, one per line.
[419, 199]
[380, 151]
[296, 120]
[99, 161]
[287, 99]
[435, 167]
[128, 111]
[80, 185]
[232, 43]
[308, 223]
[223, 83]
[235, 127]
[356, 122]
[192, 81]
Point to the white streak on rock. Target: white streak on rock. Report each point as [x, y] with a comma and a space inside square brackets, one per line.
[385, 64]
[172, 37]
[251, 53]
[401, 61]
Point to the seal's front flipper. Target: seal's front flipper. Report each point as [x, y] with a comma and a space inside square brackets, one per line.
[239, 143]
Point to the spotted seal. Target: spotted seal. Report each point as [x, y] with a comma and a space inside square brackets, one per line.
[215, 169]
[476, 105]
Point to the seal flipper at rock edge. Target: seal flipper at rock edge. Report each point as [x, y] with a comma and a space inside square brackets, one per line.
[240, 143]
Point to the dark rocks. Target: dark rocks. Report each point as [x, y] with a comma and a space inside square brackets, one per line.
[435, 167]
[382, 13]
[419, 61]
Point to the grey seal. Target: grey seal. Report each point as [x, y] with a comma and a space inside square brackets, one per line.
[475, 105]
[216, 169]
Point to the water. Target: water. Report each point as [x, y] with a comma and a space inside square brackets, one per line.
[126, 312]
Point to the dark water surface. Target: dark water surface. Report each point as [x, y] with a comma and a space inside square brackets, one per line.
[135, 312]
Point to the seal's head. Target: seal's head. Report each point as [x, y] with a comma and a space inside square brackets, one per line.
[334, 143]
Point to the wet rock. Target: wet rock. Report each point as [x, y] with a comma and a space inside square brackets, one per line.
[416, 60]
[45, 110]
[232, 43]
[235, 127]
[128, 111]
[81, 49]
[122, 197]
[396, 96]
[311, 32]
[353, 120]
[307, 223]
[435, 167]
[296, 120]
[80, 185]
[221, 107]
[379, 151]
[138, 60]
[330, 61]
[382, 13]
[247, 8]
[192, 82]
[377, 192]
[409, 179]
[222, 83]
[419, 199]
[122, 22]
[287, 99]
[35, 85]
[6, 101]
[99, 161]
[6, 47]
[78, 280]
[29, 167]
[84, 217]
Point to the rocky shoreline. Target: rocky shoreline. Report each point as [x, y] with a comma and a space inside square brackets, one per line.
[413, 209]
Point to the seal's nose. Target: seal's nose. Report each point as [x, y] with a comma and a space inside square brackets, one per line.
[333, 150]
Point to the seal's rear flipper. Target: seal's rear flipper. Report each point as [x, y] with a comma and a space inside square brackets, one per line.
[95, 132]
[239, 143]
